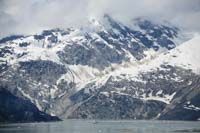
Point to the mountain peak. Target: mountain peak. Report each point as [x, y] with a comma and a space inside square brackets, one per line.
[106, 62]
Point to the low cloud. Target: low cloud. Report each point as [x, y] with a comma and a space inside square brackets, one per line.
[31, 16]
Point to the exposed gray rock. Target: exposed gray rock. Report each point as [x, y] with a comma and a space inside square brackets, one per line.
[48, 83]
[112, 102]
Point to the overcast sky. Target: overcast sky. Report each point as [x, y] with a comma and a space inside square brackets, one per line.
[31, 16]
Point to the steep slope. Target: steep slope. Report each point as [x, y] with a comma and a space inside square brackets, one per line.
[164, 88]
[61, 71]
[14, 109]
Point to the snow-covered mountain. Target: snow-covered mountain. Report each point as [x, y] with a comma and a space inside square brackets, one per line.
[105, 70]
[163, 87]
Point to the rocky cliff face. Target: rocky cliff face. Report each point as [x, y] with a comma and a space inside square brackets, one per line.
[104, 70]
[15, 109]
[169, 93]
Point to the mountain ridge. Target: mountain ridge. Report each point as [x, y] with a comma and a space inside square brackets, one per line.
[106, 65]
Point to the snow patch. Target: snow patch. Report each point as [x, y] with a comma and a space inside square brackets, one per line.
[166, 98]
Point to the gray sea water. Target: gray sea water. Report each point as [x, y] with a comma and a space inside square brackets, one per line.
[108, 126]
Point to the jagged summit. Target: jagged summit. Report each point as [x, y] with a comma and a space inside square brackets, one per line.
[105, 64]
[106, 42]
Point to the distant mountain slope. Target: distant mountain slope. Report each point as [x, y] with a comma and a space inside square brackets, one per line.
[137, 70]
[167, 87]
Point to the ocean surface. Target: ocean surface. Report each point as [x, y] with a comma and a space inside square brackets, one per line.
[103, 126]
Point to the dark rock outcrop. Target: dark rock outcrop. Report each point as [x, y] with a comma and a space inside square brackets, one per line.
[15, 109]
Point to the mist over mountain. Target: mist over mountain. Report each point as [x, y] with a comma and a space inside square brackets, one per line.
[105, 69]
[33, 16]
[104, 59]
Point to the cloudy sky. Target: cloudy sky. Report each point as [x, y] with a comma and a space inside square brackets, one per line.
[32, 16]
